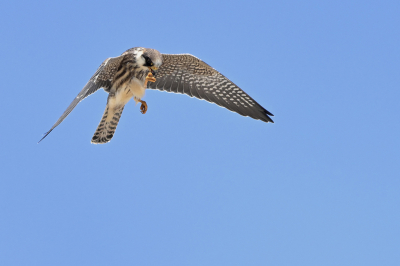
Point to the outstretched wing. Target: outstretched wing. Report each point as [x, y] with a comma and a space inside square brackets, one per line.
[186, 74]
[101, 79]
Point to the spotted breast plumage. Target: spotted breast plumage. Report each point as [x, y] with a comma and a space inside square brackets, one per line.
[137, 69]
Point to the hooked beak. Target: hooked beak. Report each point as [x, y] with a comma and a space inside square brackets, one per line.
[152, 69]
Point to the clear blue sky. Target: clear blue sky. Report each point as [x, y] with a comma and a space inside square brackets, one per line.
[190, 183]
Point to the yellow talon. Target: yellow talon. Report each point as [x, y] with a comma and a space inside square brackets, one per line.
[150, 78]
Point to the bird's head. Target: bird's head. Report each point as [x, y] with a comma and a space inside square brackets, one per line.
[152, 59]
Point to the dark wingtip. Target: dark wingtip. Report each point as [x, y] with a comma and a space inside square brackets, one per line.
[270, 120]
[267, 116]
[45, 135]
[268, 113]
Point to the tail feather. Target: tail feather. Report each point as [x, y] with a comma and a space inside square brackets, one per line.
[108, 124]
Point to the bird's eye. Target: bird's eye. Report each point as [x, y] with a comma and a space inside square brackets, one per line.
[148, 60]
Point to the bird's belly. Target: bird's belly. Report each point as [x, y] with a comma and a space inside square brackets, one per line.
[133, 88]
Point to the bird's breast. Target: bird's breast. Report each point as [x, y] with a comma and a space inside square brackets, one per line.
[136, 87]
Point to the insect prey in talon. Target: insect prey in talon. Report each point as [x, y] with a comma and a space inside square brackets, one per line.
[143, 107]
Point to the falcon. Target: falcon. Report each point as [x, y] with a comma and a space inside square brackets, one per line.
[137, 69]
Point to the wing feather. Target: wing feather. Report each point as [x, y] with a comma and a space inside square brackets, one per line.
[185, 73]
[102, 78]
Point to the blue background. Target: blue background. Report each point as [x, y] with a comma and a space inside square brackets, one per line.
[190, 183]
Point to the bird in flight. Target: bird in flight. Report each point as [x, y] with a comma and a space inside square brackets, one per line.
[137, 69]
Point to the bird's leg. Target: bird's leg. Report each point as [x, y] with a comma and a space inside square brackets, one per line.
[150, 78]
[143, 107]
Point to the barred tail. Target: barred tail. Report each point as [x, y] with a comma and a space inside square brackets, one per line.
[106, 129]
